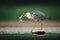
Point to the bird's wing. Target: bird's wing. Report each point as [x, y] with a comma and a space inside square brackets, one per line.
[38, 14]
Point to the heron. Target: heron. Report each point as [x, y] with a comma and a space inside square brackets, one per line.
[36, 16]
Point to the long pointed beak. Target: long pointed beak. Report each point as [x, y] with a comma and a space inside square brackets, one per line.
[24, 15]
[21, 17]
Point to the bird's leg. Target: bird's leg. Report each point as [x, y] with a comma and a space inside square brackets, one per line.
[34, 25]
[41, 24]
[33, 29]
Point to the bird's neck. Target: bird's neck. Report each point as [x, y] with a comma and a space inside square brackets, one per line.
[29, 16]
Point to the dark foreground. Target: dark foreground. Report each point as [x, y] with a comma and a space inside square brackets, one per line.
[48, 36]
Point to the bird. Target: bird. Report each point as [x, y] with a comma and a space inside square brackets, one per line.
[36, 16]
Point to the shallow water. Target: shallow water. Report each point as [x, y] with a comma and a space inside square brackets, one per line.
[28, 29]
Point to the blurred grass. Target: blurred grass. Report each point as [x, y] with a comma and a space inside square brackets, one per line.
[48, 36]
[12, 12]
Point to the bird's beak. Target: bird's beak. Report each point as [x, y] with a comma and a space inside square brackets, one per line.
[24, 15]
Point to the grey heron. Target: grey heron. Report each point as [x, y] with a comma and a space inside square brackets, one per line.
[36, 16]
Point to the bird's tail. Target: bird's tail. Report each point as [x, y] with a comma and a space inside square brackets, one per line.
[47, 17]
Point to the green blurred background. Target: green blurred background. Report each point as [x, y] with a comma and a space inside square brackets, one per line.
[12, 11]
